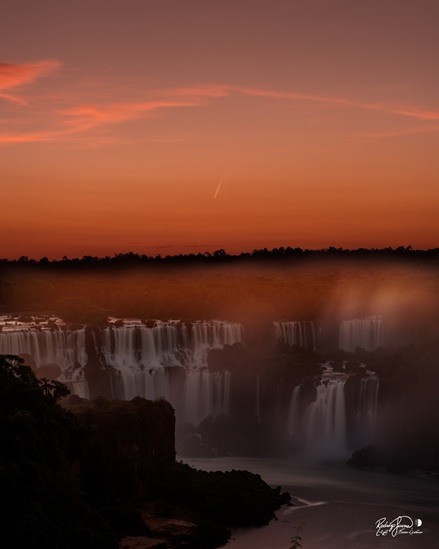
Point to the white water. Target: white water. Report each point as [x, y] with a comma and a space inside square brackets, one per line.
[142, 356]
[366, 333]
[320, 428]
[205, 394]
[337, 505]
[298, 332]
[294, 413]
[367, 411]
[62, 347]
[166, 344]
[324, 421]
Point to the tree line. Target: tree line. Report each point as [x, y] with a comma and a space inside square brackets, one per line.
[129, 259]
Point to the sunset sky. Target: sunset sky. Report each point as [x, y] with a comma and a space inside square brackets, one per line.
[180, 126]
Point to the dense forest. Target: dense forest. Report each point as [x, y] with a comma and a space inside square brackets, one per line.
[220, 256]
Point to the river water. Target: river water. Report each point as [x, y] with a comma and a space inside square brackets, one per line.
[338, 506]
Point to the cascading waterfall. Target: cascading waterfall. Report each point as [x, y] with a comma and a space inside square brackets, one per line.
[166, 344]
[294, 413]
[366, 333]
[50, 346]
[205, 394]
[150, 384]
[325, 421]
[61, 347]
[169, 360]
[366, 414]
[138, 347]
[319, 429]
[142, 356]
[297, 332]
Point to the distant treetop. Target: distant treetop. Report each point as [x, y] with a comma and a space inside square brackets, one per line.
[129, 259]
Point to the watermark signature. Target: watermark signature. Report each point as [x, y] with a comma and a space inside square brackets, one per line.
[398, 526]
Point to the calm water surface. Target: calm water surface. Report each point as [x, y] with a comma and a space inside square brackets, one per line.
[338, 506]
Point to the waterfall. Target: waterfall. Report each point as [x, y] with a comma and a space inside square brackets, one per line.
[138, 347]
[166, 344]
[59, 346]
[366, 333]
[141, 356]
[293, 413]
[150, 384]
[320, 429]
[297, 332]
[169, 359]
[212, 335]
[365, 418]
[205, 394]
[325, 421]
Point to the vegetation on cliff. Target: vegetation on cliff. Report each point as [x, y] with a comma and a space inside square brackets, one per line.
[40, 446]
[86, 475]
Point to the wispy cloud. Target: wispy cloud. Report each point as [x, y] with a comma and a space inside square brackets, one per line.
[35, 137]
[91, 116]
[16, 75]
[412, 112]
[70, 119]
[13, 75]
[79, 119]
[430, 128]
[13, 99]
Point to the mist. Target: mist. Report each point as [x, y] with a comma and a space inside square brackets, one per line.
[234, 346]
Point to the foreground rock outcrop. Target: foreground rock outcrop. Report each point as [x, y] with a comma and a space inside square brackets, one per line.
[102, 474]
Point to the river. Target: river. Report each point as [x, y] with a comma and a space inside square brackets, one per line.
[338, 506]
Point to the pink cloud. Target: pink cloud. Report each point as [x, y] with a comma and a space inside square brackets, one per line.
[73, 122]
[27, 137]
[89, 116]
[292, 96]
[85, 117]
[78, 120]
[13, 99]
[81, 119]
[13, 75]
[416, 113]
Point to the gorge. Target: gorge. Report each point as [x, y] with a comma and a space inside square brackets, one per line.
[327, 411]
[310, 363]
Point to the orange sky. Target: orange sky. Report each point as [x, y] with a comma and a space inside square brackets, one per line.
[317, 120]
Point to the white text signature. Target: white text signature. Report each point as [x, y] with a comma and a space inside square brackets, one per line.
[400, 525]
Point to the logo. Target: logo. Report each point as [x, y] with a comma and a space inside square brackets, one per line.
[399, 526]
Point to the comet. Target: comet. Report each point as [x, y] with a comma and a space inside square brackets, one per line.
[217, 189]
